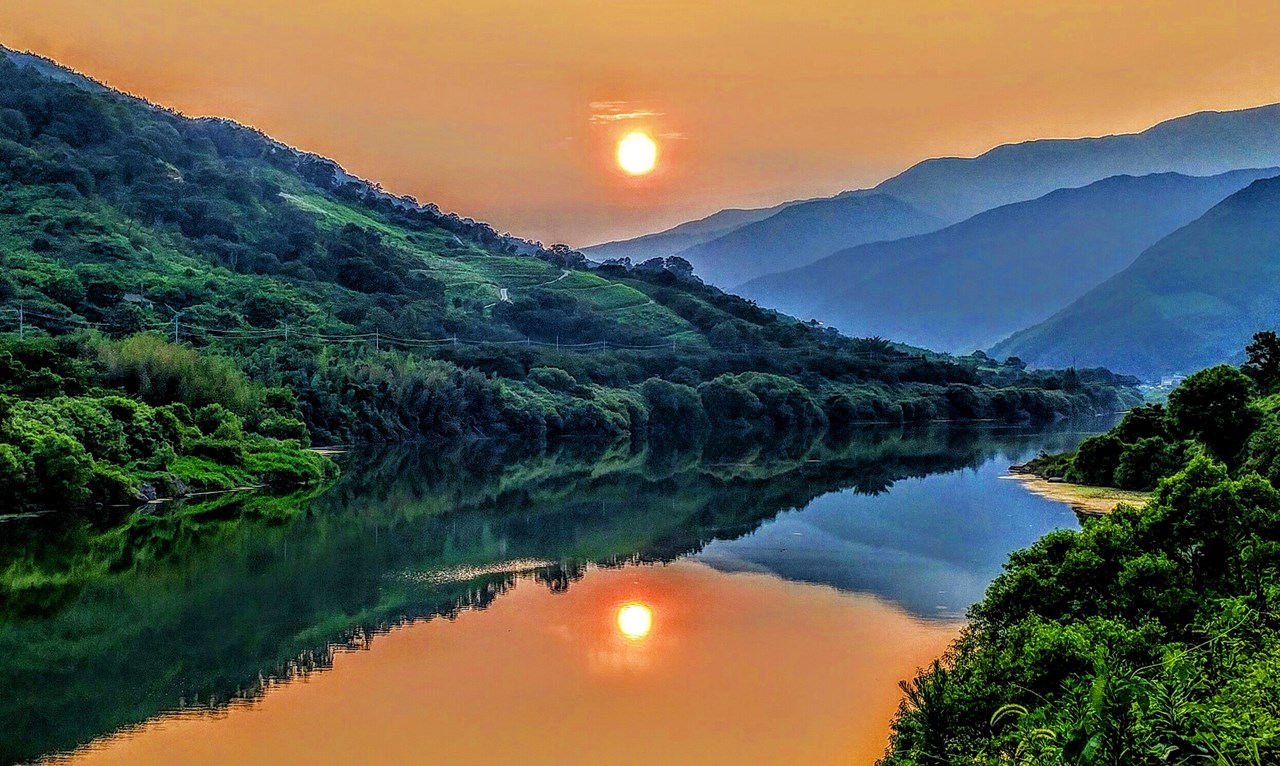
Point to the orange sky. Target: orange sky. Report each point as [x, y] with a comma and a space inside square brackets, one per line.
[486, 106]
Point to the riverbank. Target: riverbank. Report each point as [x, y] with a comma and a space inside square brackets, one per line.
[1081, 498]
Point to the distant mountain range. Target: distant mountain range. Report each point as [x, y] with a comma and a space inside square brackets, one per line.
[802, 233]
[971, 284]
[682, 237]
[1191, 300]
[957, 253]
[732, 247]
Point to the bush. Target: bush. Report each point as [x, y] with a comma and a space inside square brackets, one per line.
[1097, 458]
[1147, 461]
[61, 470]
[1212, 406]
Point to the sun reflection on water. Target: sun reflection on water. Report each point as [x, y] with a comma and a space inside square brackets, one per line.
[635, 621]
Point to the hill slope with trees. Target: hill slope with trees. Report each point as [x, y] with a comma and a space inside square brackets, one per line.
[1150, 636]
[184, 262]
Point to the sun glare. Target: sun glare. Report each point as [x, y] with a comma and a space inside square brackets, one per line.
[637, 153]
[635, 621]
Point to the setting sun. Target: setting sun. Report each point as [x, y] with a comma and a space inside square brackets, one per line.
[635, 621]
[637, 153]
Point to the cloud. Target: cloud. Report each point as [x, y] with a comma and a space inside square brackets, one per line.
[617, 111]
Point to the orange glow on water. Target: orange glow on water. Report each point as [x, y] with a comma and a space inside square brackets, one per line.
[797, 673]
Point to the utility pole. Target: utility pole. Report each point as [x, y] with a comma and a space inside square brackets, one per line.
[557, 343]
[377, 340]
[22, 323]
[175, 328]
[286, 332]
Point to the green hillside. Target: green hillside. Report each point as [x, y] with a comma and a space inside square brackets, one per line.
[1151, 635]
[1191, 300]
[243, 290]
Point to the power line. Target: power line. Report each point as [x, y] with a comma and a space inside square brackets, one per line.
[377, 338]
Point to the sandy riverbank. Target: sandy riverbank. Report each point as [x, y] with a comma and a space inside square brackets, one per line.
[1081, 498]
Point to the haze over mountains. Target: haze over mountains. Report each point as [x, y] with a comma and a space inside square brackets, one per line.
[803, 232]
[952, 189]
[1191, 300]
[957, 253]
[970, 285]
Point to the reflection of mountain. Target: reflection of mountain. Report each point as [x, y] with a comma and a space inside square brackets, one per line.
[198, 605]
[931, 546]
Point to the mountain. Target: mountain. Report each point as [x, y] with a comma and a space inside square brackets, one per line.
[1191, 300]
[682, 237]
[953, 189]
[971, 284]
[802, 233]
[165, 260]
[1200, 144]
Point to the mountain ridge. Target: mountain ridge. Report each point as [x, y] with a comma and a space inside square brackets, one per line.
[956, 188]
[1191, 300]
[969, 285]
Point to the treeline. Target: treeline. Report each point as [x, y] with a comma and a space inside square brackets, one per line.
[1152, 636]
[1232, 415]
[93, 419]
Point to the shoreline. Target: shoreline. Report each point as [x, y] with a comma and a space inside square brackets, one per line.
[1083, 499]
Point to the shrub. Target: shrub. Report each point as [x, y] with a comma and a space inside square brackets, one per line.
[1097, 458]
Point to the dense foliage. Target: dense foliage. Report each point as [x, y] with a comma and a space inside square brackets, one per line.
[367, 316]
[66, 441]
[1150, 637]
[1229, 414]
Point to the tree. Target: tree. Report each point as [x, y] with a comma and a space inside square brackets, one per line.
[1097, 458]
[1213, 406]
[1143, 422]
[1263, 364]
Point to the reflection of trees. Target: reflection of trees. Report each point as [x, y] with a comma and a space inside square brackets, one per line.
[242, 590]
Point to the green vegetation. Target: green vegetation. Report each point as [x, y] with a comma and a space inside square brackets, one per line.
[70, 436]
[1229, 414]
[1150, 637]
[308, 303]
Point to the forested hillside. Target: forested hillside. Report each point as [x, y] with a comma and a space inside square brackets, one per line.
[1149, 637]
[197, 264]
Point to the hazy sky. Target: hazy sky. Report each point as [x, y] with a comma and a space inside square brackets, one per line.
[508, 110]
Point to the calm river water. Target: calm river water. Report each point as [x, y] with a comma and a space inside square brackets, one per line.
[626, 609]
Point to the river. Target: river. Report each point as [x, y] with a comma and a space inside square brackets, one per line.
[470, 609]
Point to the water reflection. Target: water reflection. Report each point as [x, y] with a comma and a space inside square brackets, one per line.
[194, 606]
[743, 669]
[635, 621]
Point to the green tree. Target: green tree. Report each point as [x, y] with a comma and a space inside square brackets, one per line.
[1097, 458]
[1213, 407]
[1263, 363]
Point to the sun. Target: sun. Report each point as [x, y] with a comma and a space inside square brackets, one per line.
[637, 153]
[635, 621]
